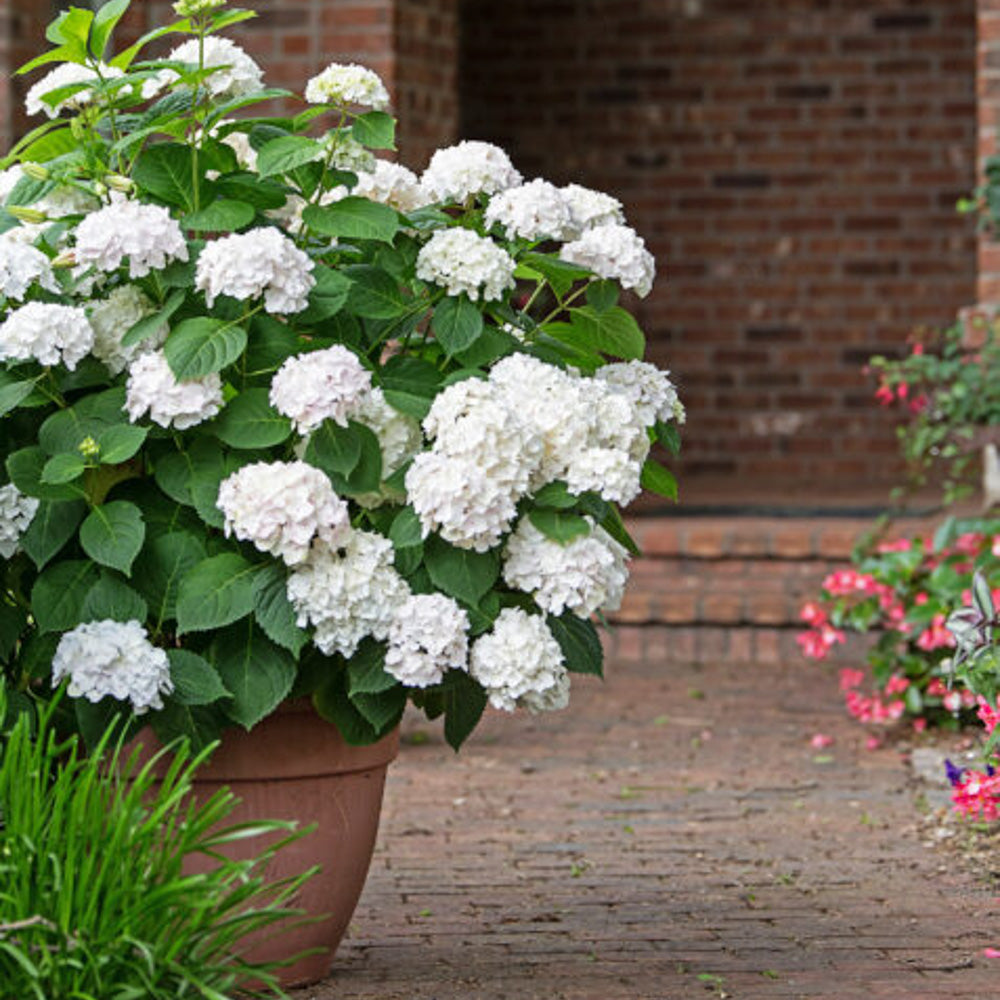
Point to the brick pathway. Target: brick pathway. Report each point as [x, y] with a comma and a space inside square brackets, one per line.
[672, 835]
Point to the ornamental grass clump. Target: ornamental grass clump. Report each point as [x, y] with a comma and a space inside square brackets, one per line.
[283, 419]
[94, 901]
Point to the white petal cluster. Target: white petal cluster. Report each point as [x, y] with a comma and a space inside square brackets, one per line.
[615, 252]
[239, 143]
[16, 513]
[281, 507]
[113, 658]
[552, 699]
[48, 333]
[66, 75]
[460, 260]
[588, 429]
[63, 199]
[348, 593]
[153, 386]
[585, 575]
[237, 75]
[323, 385]
[392, 184]
[518, 659]
[467, 486]
[428, 637]
[469, 168]
[347, 84]
[21, 266]
[113, 317]
[589, 209]
[648, 388]
[145, 234]
[348, 154]
[261, 262]
[533, 211]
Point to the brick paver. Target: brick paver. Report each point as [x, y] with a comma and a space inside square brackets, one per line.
[672, 835]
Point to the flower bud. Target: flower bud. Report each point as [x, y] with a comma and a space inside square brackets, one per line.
[25, 214]
[66, 259]
[100, 189]
[118, 183]
[194, 8]
[35, 171]
[89, 448]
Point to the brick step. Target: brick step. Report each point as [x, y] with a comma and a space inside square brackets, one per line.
[739, 571]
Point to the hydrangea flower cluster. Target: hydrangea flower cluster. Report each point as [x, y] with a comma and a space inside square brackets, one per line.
[322, 385]
[348, 593]
[263, 262]
[428, 637]
[463, 262]
[519, 660]
[146, 235]
[116, 659]
[281, 507]
[348, 83]
[47, 332]
[262, 390]
[154, 389]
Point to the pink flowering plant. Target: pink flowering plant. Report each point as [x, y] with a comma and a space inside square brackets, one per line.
[280, 418]
[902, 593]
[950, 396]
[976, 663]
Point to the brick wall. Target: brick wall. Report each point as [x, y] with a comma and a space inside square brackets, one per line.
[794, 166]
[988, 94]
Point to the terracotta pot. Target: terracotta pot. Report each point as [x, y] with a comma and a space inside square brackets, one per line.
[295, 766]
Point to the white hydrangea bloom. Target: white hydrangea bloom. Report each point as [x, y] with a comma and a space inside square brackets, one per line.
[453, 494]
[113, 317]
[237, 74]
[329, 384]
[650, 390]
[347, 593]
[348, 83]
[391, 184]
[615, 252]
[145, 234]
[21, 266]
[460, 260]
[113, 658]
[518, 658]
[428, 637]
[281, 507]
[261, 262]
[609, 471]
[66, 75]
[47, 333]
[534, 211]
[469, 168]
[152, 386]
[552, 402]
[589, 209]
[585, 575]
[552, 699]
[16, 513]
[398, 434]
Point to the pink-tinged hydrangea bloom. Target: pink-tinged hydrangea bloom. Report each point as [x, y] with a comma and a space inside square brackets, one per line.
[153, 387]
[323, 385]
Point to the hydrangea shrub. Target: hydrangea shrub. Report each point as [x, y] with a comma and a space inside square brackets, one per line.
[281, 418]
